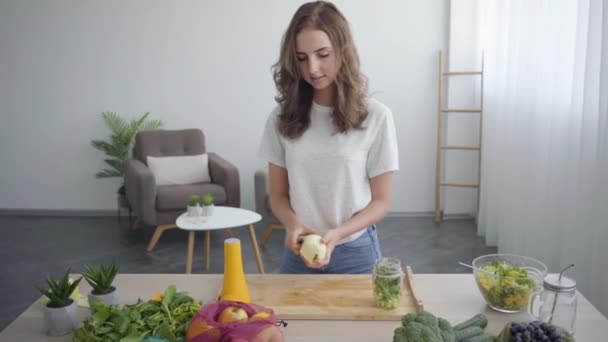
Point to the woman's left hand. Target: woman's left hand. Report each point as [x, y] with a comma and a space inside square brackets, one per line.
[329, 239]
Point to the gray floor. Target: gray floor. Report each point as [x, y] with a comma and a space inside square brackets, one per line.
[33, 247]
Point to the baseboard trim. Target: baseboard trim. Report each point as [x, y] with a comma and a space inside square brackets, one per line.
[59, 212]
[105, 213]
[454, 216]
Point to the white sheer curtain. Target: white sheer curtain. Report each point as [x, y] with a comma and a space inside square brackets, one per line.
[544, 189]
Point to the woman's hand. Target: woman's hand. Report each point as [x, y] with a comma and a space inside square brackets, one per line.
[294, 234]
[329, 239]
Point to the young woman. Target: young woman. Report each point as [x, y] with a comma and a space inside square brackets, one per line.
[331, 150]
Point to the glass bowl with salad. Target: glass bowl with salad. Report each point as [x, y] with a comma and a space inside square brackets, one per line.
[507, 281]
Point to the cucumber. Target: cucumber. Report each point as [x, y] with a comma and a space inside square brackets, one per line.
[467, 333]
[481, 338]
[478, 320]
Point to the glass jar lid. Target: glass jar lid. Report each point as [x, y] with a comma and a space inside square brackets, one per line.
[553, 282]
[388, 267]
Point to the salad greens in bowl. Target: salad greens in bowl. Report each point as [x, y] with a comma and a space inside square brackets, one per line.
[507, 281]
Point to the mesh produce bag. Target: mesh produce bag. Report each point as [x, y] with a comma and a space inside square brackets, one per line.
[205, 327]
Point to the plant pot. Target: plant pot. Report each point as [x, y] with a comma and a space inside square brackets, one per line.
[207, 210]
[108, 298]
[194, 211]
[61, 321]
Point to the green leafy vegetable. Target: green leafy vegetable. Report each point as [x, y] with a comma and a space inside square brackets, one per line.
[167, 320]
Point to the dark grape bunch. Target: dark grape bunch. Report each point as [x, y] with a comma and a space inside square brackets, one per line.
[534, 331]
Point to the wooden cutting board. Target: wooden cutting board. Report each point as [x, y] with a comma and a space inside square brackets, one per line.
[332, 296]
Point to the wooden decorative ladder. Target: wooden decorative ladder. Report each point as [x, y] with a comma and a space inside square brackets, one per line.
[441, 109]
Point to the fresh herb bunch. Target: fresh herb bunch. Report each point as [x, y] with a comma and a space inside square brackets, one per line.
[59, 291]
[167, 319]
[101, 277]
[387, 285]
[194, 200]
[208, 199]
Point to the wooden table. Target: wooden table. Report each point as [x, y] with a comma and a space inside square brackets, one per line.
[452, 296]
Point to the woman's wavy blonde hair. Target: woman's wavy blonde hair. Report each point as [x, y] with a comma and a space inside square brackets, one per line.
[295, 94]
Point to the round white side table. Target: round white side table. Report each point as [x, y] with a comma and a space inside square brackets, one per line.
[222, 218]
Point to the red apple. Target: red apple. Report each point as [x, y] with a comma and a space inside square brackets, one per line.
[231, 314]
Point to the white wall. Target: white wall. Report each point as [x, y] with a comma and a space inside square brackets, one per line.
[462, 129]
[192, 64]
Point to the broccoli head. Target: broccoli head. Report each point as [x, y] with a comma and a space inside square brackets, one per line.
[446, 330]
[423, 327]
[423, 317]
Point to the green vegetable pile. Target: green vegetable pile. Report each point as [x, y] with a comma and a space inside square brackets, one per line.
[425, 327]
[505, 286]
[388, 280]
[167, 319]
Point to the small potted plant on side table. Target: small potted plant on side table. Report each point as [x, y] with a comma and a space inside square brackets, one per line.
[207, 209]
[60, 311]
[101, 277]
[194, 206]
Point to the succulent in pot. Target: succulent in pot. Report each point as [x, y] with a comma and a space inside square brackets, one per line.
[60, 311]
[101, 278]
[194, 207]
[207, 209]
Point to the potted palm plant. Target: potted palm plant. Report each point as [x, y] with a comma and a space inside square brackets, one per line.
[119, 147]
[194, 206]
[60, 311]
[207, 209]
[101, 277]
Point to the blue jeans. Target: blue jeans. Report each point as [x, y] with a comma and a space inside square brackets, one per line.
[353, 257]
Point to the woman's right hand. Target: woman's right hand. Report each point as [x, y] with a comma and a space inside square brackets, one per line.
[294, 234]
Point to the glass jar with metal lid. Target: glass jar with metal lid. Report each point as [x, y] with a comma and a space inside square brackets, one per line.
[557, 301]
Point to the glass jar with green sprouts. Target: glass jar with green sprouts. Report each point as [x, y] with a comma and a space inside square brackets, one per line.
[388, 282]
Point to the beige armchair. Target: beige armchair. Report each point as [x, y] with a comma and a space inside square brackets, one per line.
[262, 204]
[161, 205]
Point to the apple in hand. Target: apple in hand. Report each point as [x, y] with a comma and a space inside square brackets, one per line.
[231, 314]
[312, 248]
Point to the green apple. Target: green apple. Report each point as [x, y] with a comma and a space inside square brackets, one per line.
[312, 248]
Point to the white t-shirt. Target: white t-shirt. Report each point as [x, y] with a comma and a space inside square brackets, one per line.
[329, 172]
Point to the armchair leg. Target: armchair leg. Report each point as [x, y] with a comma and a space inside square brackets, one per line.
[229, 232]
[268, 231]
[157, 233]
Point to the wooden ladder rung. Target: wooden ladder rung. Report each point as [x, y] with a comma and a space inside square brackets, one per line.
[463, 185]
[462, 73]
[469, 148]
[451, 110]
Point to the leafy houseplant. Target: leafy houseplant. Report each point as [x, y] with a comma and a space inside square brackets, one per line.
[207, 209]
[60, 311]
[120, 146]
[101, 277]
[194, 206]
